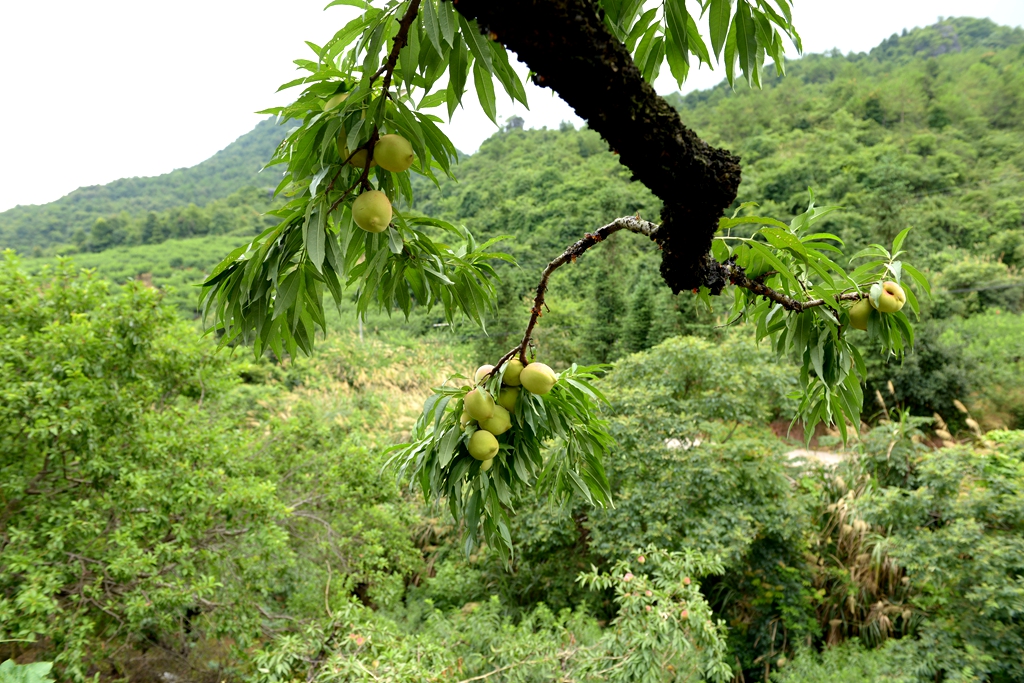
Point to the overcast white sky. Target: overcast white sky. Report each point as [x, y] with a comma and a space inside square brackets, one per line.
[99, 90]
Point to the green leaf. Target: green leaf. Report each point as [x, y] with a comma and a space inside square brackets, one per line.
[458, 70]
[719, 19]
[918, 277]
[730, 54]
[506, 74]
[696, 41]
[446, 22]
[485, 90]
[433, 100]
[676, 17]
[431, 24]
[746, 40]
[314, 235]
[476, 42]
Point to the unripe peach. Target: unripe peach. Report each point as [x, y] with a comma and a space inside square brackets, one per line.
[394, 153]
[372, 211]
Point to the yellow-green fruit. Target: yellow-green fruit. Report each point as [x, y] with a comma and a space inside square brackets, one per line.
[486, 465]
[892, 298]
[859, 314]
[482, 372]
[394, 153]
[358, 159]
[483, 445]
[507, 398]
[498, 422]
[464, 419]
[479, 405]
[372, 211]
[513, 369]
[538, 378]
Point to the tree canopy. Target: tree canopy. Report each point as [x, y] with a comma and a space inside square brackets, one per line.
[374, 83]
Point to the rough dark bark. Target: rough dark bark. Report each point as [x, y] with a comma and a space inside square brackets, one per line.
[567, 45]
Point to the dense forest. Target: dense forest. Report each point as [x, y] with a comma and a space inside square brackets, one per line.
[175, 512]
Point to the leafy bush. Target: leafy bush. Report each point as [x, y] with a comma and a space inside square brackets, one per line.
[664, 631]
[38, 672]
[849, 662]
[123, 510]
[960, 537]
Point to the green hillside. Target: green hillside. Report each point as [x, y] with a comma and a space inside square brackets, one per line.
[924, 131]
[49, 226]
[174, 512]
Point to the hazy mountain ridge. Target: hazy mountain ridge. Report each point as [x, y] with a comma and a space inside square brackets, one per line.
[233, 168]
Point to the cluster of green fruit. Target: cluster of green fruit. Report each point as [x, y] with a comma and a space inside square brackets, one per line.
[889, 297]
[492, 418]
[372, 209]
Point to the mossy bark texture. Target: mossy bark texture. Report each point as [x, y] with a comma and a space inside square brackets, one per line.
[567, 45]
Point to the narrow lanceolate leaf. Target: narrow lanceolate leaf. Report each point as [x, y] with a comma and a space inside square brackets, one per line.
[446, 20]
[485, 90]
[746, 41]
[696, 42]
[506, 74]
[431, 24]
[314, 235]
[718, 18]
[458, 70]
[730, 54]
[476, 42]
[677, 17]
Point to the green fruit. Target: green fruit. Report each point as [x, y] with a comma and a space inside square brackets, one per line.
[538, 378]
[486, 465]
[483, 445]
[498, 422]
[513, 369]
[892, 297]
[507, 398]
[859, 314]
[372, 211]
[464, 419]
[482, 372]
[394, 153]
[479, 405]
[359, 158]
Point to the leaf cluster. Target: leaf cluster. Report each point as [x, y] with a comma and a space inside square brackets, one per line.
[793, 260]
[669, 32]
[554, 447]
[364, 84]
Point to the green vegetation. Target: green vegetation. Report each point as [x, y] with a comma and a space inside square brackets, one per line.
[161, 497]
[169, 508]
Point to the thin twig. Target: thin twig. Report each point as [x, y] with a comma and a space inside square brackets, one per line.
[388, 67]
[631, 223]
[505, 668]
[388, 70]
[327, 593]
[737, 277]
[354, 185]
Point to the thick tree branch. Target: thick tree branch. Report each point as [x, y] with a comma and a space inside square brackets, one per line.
[566, 43]
[574, 251]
